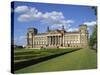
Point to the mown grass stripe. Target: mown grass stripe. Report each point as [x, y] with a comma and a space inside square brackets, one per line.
[81, 59]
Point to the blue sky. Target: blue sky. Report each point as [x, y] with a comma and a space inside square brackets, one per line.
[41, 15]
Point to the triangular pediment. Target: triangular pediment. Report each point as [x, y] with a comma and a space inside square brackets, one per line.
[54, 32]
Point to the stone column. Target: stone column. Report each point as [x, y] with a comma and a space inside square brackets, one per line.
[63, 41]
[56, 40]
[53, 40]
[59, 40]
[49, 40]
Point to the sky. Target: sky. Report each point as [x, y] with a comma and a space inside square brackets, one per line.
[42, 15]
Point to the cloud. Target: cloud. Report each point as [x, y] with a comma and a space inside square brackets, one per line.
[24, 18]
[91, 23]
[59, 26]
[53, 18]
[27, 13]
[21, 9]
[70, 21]
[90, 26]
[72, 29]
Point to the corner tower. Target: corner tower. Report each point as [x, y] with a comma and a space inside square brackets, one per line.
[83, 36]
[30, 37]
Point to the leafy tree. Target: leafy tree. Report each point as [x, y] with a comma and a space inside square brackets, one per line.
[93, 37]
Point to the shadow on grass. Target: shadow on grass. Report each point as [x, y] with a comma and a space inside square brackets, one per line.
[23, 64]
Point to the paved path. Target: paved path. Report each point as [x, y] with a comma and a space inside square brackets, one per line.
[81, 59]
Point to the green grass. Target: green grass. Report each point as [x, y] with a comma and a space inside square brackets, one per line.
[81, 59]
[28, 54]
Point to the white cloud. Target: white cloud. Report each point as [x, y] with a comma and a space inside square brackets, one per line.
[57, 26]
[72, 29]
[27, 13]
[53, 18]
[90, 26]
[70, 21]
[48, 18]
[24, 17]
[91, 23]
[21, 9]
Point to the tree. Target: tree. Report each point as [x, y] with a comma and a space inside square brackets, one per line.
[93, 38]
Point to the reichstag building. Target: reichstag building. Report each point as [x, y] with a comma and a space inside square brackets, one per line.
[57, 38]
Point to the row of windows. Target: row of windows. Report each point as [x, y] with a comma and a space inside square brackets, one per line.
[66, 41]
[40, 38]
[69, 45]
[72, 37]
[45, 41]
[40, 42]
[76, 41]
[67, 37]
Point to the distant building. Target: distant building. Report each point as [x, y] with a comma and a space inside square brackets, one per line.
[58, 38]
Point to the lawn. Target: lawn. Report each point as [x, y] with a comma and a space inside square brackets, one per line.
[81, 59]
[28, 54]
[26, 57]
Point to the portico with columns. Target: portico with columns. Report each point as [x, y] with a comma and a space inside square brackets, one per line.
[55, 39]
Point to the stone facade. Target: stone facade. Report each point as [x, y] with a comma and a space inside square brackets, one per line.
[58, 38]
